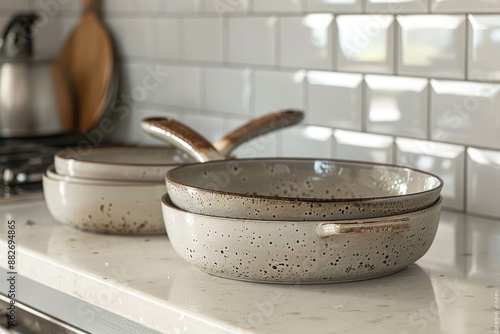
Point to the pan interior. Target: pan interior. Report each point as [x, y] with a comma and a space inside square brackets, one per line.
[318, 179]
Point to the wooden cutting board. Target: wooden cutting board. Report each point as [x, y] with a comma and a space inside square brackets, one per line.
[87, 61]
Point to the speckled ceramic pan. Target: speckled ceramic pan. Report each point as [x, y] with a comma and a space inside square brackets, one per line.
[300, 189]
[300, 252]
[151, 163]
[120, 163]
[106, 206]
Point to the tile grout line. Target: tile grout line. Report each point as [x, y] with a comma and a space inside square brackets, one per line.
[225, 40]
[428, 111]
[277, 39]
[467, 43]
[397, 46]
[466, 178]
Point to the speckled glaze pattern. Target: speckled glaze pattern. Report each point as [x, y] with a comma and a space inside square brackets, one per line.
[120, 163]
[118, 208]
[300, 189]
[298, 252]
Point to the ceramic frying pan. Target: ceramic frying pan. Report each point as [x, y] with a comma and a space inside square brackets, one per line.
[151, 163]
[291, 189]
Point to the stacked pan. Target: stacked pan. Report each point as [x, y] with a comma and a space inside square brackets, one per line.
[118, 190]
[296, 221]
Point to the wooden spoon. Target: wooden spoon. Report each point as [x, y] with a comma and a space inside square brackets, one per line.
[87, 61]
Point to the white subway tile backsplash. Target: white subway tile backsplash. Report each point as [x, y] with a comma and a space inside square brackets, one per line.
[397, 105]
[131, 131]
[252, 40]
[50, 36]
[306, 41]
[308, 142]
[465, 6]
[335, 99]
[483, 182]
[444, 160]
[181, 6]
[277, 6]
[432, 45]
[209, 125]
[167, 38]
[227, 7]
[229, 90]
[365, 43]
[466, 113]
[364, 146]
[67, 6]
[135, 36]
[13, 5]
[166, 85]
[278, 90]
[260, 147]
[484, 47]
[111, 6]
[334, 6]
[203, 39]
[397, 6]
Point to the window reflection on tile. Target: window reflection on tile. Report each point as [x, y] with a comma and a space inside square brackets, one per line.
[397, 105]
[432, 45]
[483, 182]
[365, 43]
[484, 47]
[335, 99]
[445, 160]
[363, 146]
[306, 41]
[465, 113]
[308, 142]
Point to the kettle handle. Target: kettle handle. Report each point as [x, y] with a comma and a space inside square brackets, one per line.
[23, 35]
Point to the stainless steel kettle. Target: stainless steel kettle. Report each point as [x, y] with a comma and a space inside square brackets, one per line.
[34, 97]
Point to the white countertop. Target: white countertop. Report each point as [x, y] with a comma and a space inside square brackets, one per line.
[451, 289]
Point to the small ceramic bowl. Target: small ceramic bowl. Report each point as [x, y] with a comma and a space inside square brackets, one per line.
[300, 252]
[120, 163]
[105, 207]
